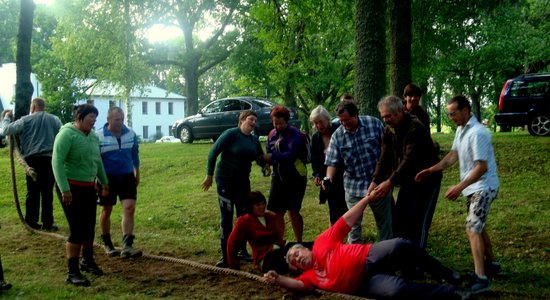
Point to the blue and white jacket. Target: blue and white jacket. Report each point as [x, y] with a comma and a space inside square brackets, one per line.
[120, 156]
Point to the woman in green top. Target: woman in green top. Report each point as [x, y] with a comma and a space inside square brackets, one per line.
[238, 148]
[76, 164]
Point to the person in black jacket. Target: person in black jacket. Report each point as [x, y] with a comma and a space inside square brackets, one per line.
[334, 195]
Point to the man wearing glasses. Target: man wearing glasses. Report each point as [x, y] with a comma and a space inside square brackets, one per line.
[479, 183]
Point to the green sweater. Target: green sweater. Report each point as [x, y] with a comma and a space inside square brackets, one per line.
[238, 151]
[76, 157]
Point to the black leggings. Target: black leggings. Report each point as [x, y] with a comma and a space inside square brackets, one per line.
[81, 214]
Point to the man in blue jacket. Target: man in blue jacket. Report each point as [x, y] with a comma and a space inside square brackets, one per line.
[119, 150]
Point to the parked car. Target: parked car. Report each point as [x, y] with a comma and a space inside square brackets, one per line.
[525, 101]
[222, 114]
[167, 139]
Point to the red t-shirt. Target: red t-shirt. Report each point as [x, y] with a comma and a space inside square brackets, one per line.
[261, 238]
[338, 267]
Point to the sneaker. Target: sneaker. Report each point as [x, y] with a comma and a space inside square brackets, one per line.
[493, 268]
[77, 279]
[243, 255]
[4, 285]
[222, 263]
[480, 285]
[111, 250]
[35, 226]
[463, 294]
[128, 252]
[50, 228]
[90, 267]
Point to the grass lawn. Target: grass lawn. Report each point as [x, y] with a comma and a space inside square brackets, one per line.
[176, 218]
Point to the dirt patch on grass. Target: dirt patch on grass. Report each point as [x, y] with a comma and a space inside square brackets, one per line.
[144, 277]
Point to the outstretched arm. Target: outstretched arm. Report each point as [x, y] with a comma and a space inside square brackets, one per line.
[356, 212]
[443, 164]
[283, 281]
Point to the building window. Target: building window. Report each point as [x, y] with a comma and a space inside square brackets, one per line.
[159, 130]
[144, 107]
[112, 103]
[170, 108]
[145, 132]
[170, 130]
[90, 101]
[157, 108]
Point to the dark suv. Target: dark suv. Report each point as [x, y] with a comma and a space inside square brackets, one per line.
[525, 101]
[222, 114]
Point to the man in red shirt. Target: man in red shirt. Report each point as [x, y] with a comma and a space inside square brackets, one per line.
[366, 269]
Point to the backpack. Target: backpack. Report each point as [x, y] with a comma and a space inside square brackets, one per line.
[305, 156]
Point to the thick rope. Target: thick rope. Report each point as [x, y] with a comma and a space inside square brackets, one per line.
[195, 265]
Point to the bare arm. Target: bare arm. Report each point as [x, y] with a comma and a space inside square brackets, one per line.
[476, 173]
[356, 212]
[284, 281]
[331, 172]
[443, 164]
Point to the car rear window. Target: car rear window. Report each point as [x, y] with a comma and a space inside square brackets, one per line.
[521, 88]
[263, 103]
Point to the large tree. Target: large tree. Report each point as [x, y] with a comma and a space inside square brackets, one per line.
[370, 59]
[23, 85]
[400, 45]
[192, 57]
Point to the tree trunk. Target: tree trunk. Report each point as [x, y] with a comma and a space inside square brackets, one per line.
[23, 85]
[192, 90]
[400, 45]
[370, 64]
[127, 57]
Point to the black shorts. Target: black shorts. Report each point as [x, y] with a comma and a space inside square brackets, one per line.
[121, 186]
[286, 194]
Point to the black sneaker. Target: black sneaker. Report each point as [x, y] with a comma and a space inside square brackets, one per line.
[463, 294]
[493, 268]
[243, 255]
[111, 251]
[480, 285]
[77, 279]
[35, 226]
[222, 263]
[4, 285]
[50, 228]
[90, 267]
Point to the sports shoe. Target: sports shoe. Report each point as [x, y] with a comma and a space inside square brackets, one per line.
[50, 228]
[480, 285]
[243, 255]
[128, 252]
[463, 294]
[77, 279]
[111, 250]
[493, 268]
[4, 285]
[222, 263]
[90, 267]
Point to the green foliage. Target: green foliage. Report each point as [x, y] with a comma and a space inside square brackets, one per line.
[9, 12]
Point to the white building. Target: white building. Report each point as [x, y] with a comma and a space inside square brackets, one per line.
[154, 110]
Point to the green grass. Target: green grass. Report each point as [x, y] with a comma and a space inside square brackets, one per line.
[175, 217]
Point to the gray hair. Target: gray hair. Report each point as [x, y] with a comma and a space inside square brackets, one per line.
[296, 246]
[393, 103]
[317, 112]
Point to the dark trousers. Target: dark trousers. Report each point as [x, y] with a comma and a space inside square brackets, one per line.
[81, 214]
[387, 257]
[42, 187]
[414, 209]
[232, 195]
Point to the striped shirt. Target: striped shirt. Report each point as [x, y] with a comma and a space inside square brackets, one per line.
[358, 151]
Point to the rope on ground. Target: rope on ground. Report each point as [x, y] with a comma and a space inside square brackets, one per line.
[29, 171]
